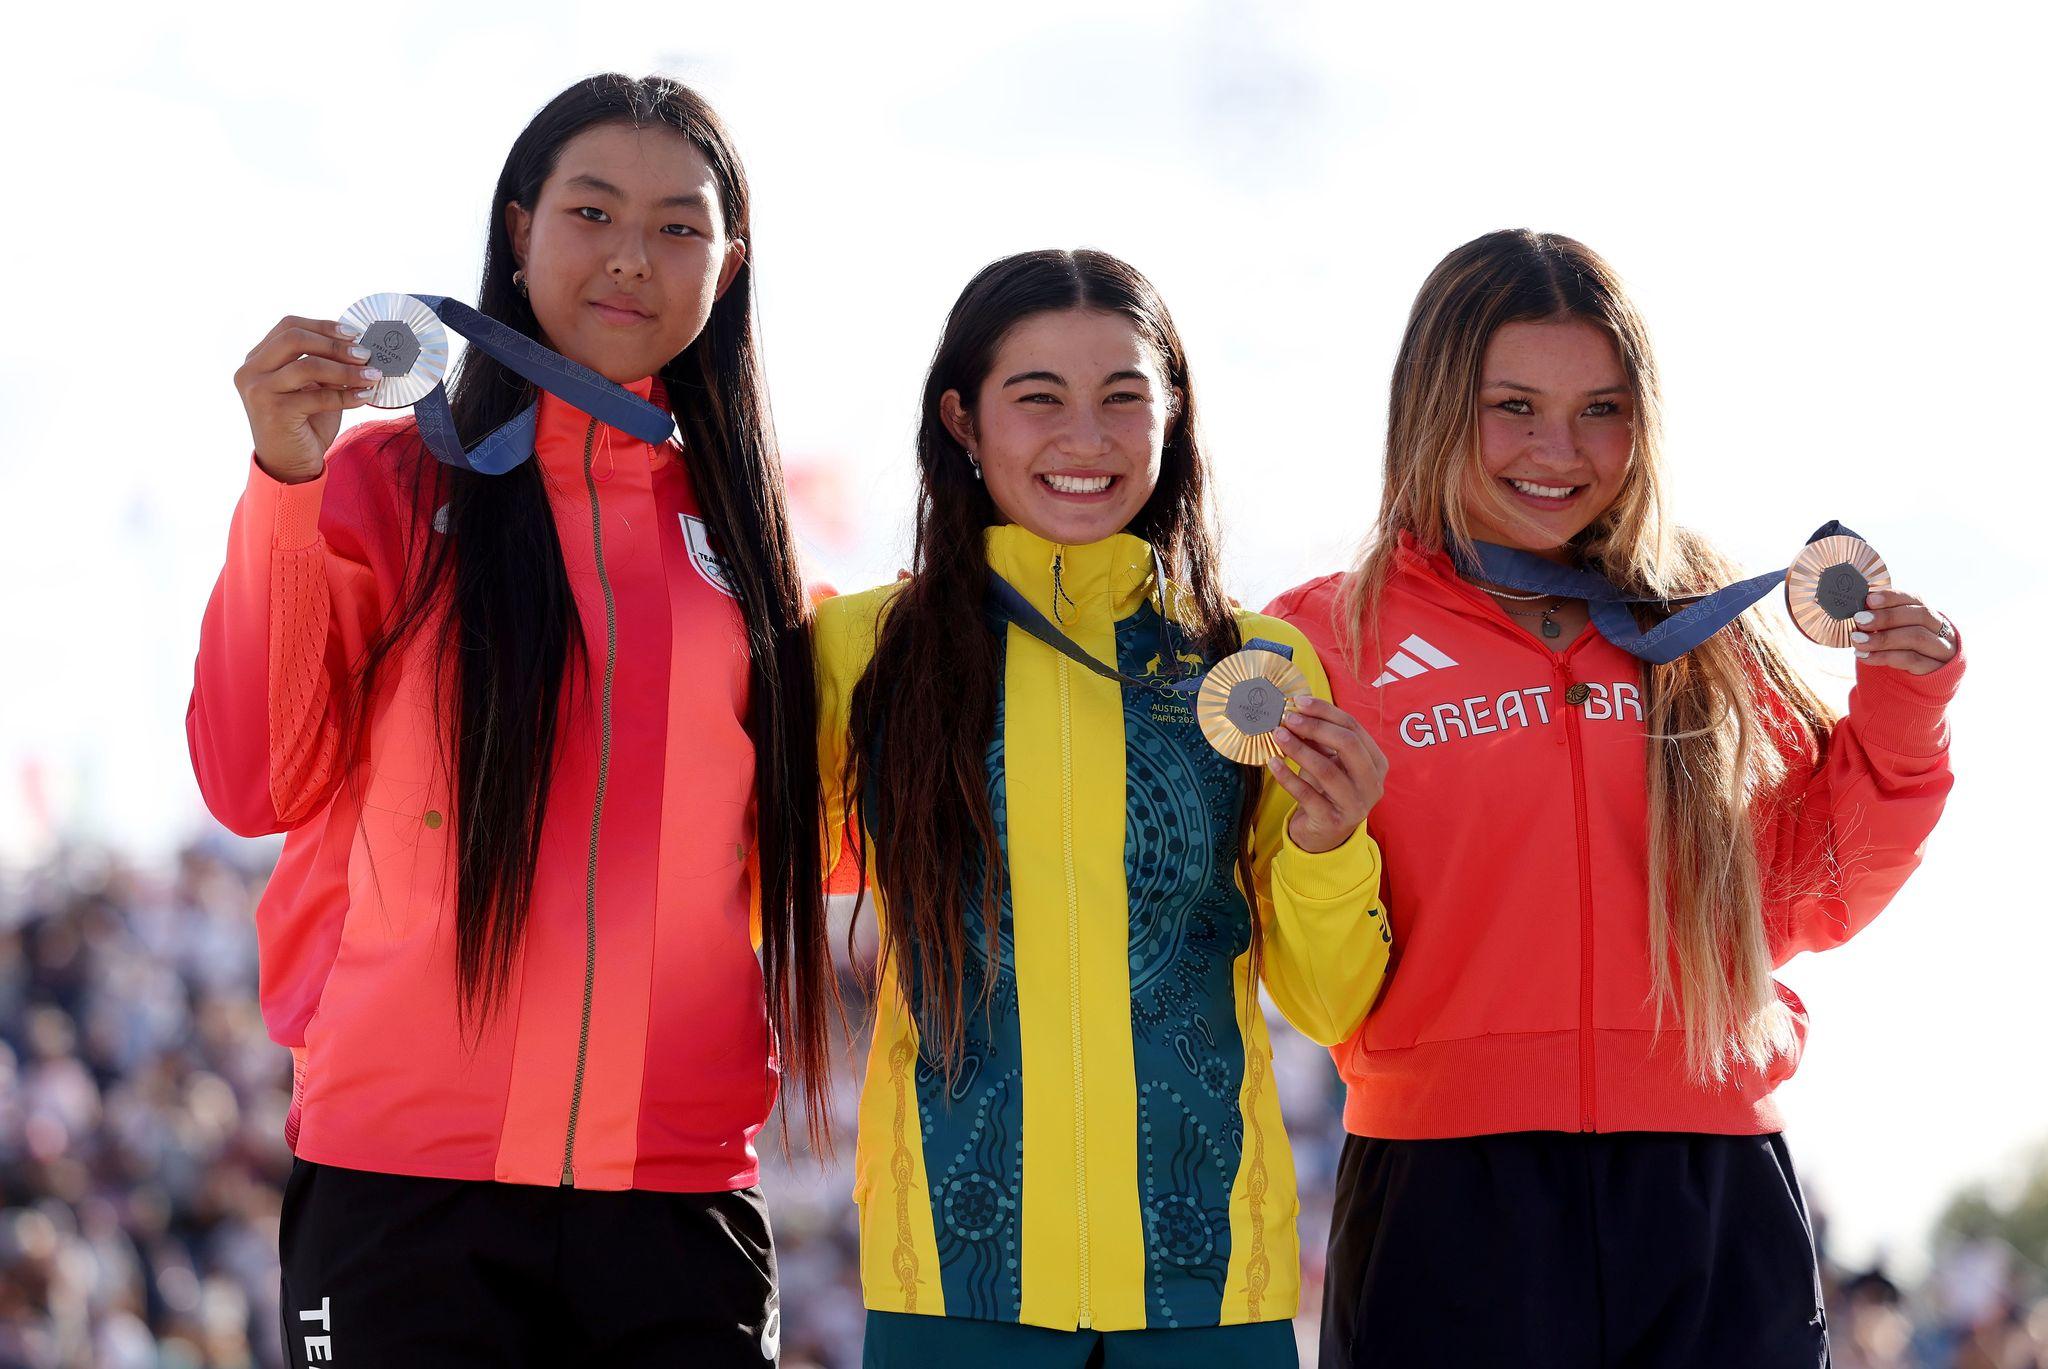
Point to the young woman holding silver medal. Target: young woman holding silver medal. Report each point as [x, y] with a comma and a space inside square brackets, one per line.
[1071, 1150]
[1614, 808]
[543, 745]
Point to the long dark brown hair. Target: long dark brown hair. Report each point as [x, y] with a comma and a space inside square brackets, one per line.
[923, 715]
[509, 640]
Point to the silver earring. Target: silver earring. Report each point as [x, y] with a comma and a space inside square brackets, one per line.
[975, 462]
[519, 281]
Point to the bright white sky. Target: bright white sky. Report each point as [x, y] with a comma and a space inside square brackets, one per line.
[1830, 222]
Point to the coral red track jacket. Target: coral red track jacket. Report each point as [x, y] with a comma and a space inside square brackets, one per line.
[1515, 837]
[632, 1051]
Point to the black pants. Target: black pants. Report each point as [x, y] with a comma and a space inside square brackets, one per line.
[1539, 1249]
[396, 1271]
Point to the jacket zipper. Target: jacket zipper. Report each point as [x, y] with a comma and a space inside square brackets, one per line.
[1083, 1316]
[1581, 821]
[1575, 744]
[604, 767]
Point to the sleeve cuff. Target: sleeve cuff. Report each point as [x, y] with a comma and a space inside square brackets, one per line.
[1902, 712]
[1328, 876]
[295, 509]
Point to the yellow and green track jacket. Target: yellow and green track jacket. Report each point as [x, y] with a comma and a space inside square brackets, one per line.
[1110, 1153]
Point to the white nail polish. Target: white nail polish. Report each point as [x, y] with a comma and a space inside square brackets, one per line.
[1859, 637]
[1862, 655]
[1866, 618]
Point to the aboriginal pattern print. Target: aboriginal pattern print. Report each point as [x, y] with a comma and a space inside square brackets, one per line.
[1189, 924]
[973, 1124]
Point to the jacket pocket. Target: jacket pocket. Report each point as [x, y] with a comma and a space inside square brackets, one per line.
[401, 871]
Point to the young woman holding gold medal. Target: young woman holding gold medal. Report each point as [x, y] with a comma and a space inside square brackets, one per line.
[1614, 808]
[1070, 1143]
[536, 717]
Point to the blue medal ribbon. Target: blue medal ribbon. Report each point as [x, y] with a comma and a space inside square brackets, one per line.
[1700, 617]
[1008, 603]
[507, 446]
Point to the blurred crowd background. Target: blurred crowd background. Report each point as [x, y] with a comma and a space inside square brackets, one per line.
[1825, 216]
[142, 1155]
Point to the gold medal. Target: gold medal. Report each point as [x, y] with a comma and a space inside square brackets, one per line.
[1828, 583]
[1242, 701]
[405, 341]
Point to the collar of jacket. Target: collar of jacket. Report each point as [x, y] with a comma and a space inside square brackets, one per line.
[558, 439]
[1432, 575]
[1102, 582]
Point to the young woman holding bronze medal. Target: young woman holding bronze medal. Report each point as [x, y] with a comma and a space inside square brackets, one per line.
[537, 718]
[1070, 1144]
[1614, 809]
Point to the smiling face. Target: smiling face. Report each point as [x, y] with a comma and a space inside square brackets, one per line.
[1555, 434]
[1069, 425]
[624, 250]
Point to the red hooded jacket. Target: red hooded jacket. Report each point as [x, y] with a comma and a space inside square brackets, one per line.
[1516, 844]
[632, 1050]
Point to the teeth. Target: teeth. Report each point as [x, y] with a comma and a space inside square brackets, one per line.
[1542, 491]
[1072, 484]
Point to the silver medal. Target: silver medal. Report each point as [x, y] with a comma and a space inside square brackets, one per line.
[405, 341]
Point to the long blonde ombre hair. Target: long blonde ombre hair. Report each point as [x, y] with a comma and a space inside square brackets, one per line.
[1711, 757]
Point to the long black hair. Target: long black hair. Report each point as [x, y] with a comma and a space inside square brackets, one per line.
[510, 636]
[922, 715]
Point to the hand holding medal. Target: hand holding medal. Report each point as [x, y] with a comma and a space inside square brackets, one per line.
[1839, 593]
[295, 384]
[1257, 708]
[1342, 772]
[391, 350]
[1901, 632]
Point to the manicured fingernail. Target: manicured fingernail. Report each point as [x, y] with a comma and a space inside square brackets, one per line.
[343, 330]
[1866, 618]
[1875, 598]
[359, 353]
[1862, 655]
[365, 395]
[372, 373]
[1859, 637]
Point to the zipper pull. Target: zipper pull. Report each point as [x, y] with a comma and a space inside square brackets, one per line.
[1059, 589]
[1575, 693]
[568, 1175]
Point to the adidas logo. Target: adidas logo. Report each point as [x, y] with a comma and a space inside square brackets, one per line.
[1414, 657]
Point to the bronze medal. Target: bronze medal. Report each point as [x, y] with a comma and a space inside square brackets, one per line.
[1828, 583]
